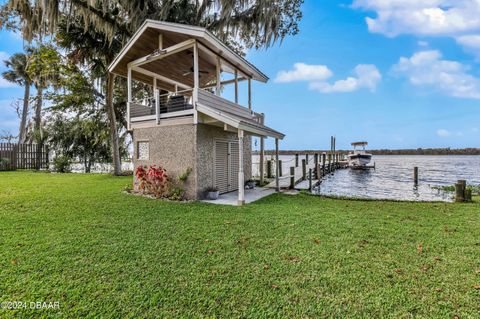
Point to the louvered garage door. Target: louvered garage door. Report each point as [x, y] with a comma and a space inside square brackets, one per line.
[226, 166]
[221, 166]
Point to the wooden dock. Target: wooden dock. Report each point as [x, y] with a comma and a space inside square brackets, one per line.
[307, 171]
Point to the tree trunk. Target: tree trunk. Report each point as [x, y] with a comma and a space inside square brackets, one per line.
[117, 169]
[86, 164]
[90, 163]
[38, 116]
[38, 134]
[23, 123]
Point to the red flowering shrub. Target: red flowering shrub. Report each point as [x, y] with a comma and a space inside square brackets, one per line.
[153, 181]
[141, 177]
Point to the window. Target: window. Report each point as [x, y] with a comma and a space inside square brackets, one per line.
[143, 151]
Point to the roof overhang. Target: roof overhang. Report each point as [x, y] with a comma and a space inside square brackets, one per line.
[205, 38]
[239, 122]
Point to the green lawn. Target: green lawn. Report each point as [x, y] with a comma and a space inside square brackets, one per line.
[78, 239]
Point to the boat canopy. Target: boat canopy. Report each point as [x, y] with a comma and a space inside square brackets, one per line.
[359, 143]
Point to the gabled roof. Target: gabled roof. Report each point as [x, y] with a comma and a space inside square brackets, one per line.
[144, 41]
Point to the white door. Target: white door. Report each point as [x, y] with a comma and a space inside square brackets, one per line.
[226, 165]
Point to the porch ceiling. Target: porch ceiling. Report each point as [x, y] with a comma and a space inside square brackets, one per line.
[146, 41]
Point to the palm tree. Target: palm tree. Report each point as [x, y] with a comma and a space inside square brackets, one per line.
[43, 68]
[258, 23]
[18, 74]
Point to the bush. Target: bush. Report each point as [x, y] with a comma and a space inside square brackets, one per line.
[4, 163]
[183, 177]
[62, 163]
[177, 194]
[127, 188]
[153, 181]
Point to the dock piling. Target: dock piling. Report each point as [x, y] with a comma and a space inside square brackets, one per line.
[292, 177]
[415, 175]
[304, 169]
[324, 157]
[269, 169]
[459, 192]
[462, 192]
[468, 195]
[310, 180]
[296, 160]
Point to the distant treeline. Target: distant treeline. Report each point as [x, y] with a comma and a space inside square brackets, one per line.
[418, 151]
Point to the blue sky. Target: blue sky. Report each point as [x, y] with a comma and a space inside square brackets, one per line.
[400, 74]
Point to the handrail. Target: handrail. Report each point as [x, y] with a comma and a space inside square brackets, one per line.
[167, 103]
[152, 98]
[209, 99]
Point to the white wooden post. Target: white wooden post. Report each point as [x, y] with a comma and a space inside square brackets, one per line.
[277, 168]
[262, 152]
[157, 105]
[241, 176]
[129, 95]
[196, 82]
[236, 86]
[218, 85]
[250, 94]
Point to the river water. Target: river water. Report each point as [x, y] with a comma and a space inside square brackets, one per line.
[393, 178]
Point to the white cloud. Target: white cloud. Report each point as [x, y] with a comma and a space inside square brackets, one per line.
[457, 19]
[426, 17]
[367, 77]
[304, 72]
[427, 68]
[3, 56]
[6, 84]
[443, 133]
[422, 43]
[471, 43]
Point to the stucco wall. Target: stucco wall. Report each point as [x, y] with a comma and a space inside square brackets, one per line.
[172, 147]
[206, 135]
[178, 147]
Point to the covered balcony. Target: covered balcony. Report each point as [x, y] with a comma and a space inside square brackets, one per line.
[172, 68]
[177, 74]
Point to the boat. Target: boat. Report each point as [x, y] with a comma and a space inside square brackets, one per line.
[359, 158]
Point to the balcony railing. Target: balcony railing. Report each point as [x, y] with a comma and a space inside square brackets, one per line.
[209, 99]
[170, 104]
[181, 104]
[223, 105]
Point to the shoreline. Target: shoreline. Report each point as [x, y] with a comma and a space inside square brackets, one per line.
[373, 152]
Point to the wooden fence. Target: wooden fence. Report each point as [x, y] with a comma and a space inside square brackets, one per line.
[23, 156]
